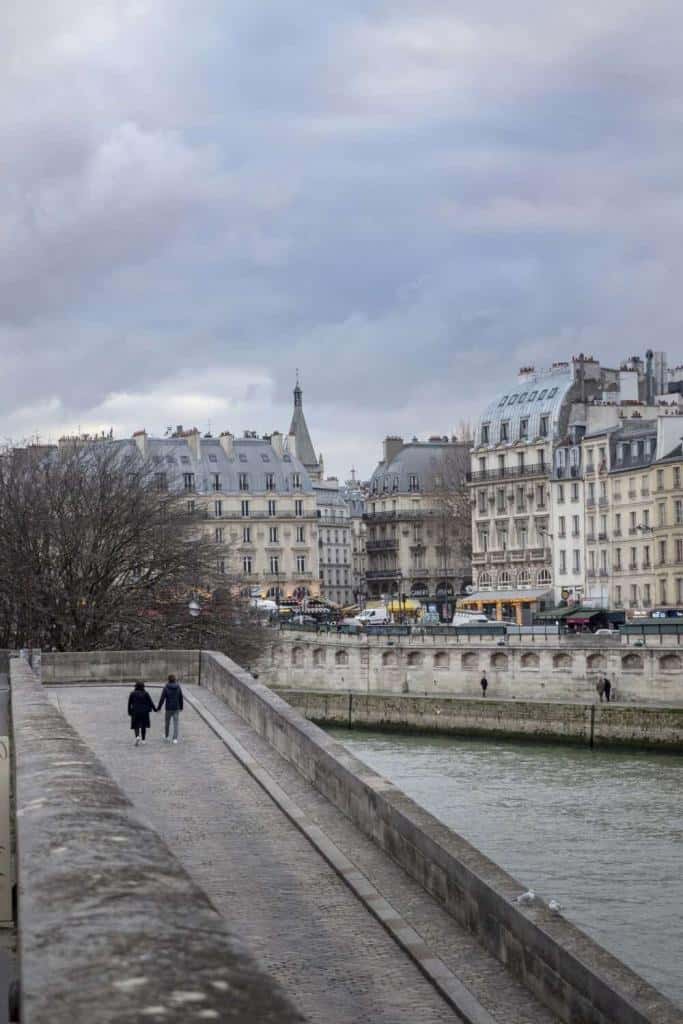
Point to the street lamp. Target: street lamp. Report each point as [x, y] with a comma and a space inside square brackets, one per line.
[194, 608]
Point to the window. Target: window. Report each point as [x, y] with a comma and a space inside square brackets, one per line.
[617, 596]
[216, 482]
[218, 535]
[218, 508]
[523, 428]
[633, 563]
[272, 534]
[552, 392]
[301, 534]
[270, 481]
[274, 565]
[575, 492]
[246, 534]
[485, 433]
[532, 396]
[576, 529]
[190, 506]
[243, 481]
[188, 481]
[213, 458]
[296, 481]
[247, 565]
[677, 477]
[662, 551]
[617, 559]
[646, 557]
[513, 399]
[562, 526]
[220, 566]
[245, 508]
[161, 481]
[272, 507]
[544, 426]
[563, 561]
[617, 524]
[413, 483]
[242, 457]
[660, 479]
[482, 501]
[299, 507]
[678, 512]
[184, 458]
[560, 494]
[505, 431]
[502, 401]
[264, 457]
[577, 561]
[301, 563]
[661, 514]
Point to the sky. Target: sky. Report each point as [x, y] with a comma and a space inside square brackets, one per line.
[406, 201]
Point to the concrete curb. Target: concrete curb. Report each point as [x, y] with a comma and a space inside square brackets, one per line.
[435, 970]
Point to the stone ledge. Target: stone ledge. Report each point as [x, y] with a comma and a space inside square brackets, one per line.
[111, 927]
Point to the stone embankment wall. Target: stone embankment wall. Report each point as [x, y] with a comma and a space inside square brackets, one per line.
[569, 972]
[537, 669]
[601, 725]
[111, 927]
[119, 666]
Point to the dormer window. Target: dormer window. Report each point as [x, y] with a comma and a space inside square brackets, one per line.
[542, 394]
[413, 483]
[485, 433]
[523, 429]
[213, 458]
[264, 457]
[505, 431]
[502, 401]
[243, 457]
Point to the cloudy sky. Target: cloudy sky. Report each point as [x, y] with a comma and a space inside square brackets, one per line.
[406, 200]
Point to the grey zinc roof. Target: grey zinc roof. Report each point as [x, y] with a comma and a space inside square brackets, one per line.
[541, 396]
[420, 459]
[254, 456]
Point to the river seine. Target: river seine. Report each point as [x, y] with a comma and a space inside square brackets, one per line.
[601, 832]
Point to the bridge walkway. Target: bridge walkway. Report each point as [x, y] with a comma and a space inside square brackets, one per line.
[334, 959]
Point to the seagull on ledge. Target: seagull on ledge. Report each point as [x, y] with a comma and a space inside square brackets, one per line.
[526, 898]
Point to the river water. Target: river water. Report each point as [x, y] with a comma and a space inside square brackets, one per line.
[602, 832]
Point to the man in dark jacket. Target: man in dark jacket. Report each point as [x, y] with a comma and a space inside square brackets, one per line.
[172, 697]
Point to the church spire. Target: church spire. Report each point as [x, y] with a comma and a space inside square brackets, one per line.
[305, 451]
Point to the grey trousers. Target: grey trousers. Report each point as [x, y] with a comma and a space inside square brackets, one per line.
[172, 716]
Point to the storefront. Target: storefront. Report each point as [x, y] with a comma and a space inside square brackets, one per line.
[516, 605]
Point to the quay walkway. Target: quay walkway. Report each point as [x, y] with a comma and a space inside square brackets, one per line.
[277, 891]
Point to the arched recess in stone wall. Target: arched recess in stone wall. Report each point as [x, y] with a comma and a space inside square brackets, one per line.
[499, 660]
[596, 663]
[341, 658]
[442, 659]
[389, 659]
[530, 661]
[319, 656]
[470, 660]
[670, 663]
[297, 656]
[632, 663]
[562, 661]
[415, 659]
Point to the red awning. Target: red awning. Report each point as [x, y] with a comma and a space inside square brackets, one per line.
[580, 620]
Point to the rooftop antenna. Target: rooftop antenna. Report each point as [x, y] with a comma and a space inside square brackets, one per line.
[297, 376]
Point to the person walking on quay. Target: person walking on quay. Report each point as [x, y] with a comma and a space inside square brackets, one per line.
[139, 706]
[172, 697]
[608, 688]
[484, 685]
[600, 687]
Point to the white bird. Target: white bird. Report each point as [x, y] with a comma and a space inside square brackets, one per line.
[526, 898]
[554, 906]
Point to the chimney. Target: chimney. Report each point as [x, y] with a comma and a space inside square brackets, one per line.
[291, 444]
[227, 442]
[392, 446]
[140, 438]
[194, 442]
[277, 443]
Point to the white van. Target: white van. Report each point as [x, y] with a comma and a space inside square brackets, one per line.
[267, 606]
[373, 617]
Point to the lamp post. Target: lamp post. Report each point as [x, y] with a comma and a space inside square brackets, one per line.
[194, 608]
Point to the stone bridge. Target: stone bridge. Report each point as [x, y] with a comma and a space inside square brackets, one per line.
[258, 872]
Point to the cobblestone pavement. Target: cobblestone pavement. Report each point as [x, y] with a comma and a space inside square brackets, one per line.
[334, 959]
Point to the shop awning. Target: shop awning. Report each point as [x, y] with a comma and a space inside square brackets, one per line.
[406, 604]
[506, 596]
[582, 618]
[553, 614]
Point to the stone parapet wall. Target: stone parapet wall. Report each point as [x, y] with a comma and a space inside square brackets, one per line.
[569, 972]
[111, 927]
[119, 666]
[442, 665]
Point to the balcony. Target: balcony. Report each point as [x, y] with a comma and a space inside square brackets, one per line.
[602, 536]
[602, 502]
[383, 574]
[517, 556]
[590, 467]
[590, 573]
[603, 572]
[632, 494]
[633, 566]
[590, 502]
[478, 557]
[590, 538]
[508, 472]
[389, 544]
[645, 492]
[497, 556]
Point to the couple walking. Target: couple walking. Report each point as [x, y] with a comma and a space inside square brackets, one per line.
[140, 704]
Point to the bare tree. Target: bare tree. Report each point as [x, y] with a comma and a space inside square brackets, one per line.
[98, 550]
[452, 516]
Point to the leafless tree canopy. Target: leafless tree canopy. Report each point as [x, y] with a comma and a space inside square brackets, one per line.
[452, 510]
[94, 554]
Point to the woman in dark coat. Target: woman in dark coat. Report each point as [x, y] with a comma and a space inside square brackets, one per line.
[139, 706]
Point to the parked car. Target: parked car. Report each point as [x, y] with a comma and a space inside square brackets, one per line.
[373, 617]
